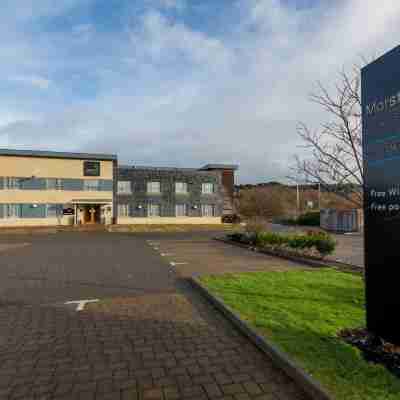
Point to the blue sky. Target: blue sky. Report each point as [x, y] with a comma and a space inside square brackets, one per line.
[179, 82]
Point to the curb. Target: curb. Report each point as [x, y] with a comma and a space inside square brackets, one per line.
[281, 360]
[301, 260]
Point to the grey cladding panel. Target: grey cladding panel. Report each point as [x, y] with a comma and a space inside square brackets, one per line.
[33, 184]
[31, 211]
[106, 185]
[72, 184]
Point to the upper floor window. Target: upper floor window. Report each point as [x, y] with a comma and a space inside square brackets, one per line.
[181, 187]
[91, 185]
[12, 183]
[207, 188]
[153, 187]
[207, 210]
[153, 210]
[54, 184]
[124, 187]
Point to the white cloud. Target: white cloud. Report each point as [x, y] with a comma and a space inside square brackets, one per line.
[164, 41]
[36, 81]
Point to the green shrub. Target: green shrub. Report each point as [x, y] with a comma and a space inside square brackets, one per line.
[323, 243]
[309, 219]
[269, 238]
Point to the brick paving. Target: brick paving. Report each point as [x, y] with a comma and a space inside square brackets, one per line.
[165, 346]
[140, 345]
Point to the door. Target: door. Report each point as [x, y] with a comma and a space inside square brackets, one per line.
[91, 214]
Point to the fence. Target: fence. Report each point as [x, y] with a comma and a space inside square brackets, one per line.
[342, 221]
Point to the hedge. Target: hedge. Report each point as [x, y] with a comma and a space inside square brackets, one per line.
[323, 243]
[309, 219]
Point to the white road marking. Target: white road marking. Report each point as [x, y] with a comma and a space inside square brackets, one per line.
[172, 263]
[166, 254]
[151, 243]
[80, 304]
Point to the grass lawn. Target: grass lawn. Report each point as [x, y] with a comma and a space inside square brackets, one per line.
[302, 312]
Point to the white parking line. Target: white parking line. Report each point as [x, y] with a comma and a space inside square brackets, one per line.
[80, 304]
[173, 264]
[166, 254]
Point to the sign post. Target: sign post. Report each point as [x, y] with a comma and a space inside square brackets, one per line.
[381, 153]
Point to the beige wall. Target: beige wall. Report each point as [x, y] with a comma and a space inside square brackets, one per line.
[169, 220]
[49, 196]
[39, 167]
[65, 220]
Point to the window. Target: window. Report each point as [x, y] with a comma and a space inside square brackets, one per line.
[54, 210]
[153, 210]
[91, 185]
[181, 187]
[33, 211]
[180, 210]
[72, 184]
[207, 188]
[153, 187]
[106, 185]
[91, 168]
[12, 210]
[32, 183]
[54, 184]
[207, 210]
[12, 183]
[124, 187]
[123, 210]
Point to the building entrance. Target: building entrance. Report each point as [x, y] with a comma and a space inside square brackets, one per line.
[91, 214]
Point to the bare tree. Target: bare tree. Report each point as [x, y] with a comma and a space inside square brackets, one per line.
[335, 160]
[262, 202]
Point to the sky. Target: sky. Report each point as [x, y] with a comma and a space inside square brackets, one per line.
[179, 82]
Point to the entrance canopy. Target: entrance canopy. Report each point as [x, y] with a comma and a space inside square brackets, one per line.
[91, 201]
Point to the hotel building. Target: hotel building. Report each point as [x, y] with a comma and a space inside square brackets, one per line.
[57, 188]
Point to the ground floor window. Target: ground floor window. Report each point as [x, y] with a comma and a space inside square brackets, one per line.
[153, 210]
[33, 211]
[207, 210]
[123, 210]
[13, 211]
[54, 210]
[180, 210]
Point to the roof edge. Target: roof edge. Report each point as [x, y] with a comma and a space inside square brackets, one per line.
[58, 154]
[208, 167]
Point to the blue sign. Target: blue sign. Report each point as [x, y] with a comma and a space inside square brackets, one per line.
[381, 151]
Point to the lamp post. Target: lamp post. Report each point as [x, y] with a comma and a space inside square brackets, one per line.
[319, 196]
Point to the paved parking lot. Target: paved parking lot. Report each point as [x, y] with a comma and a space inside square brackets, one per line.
[149, 337]
[197, 255]
[41, 269]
